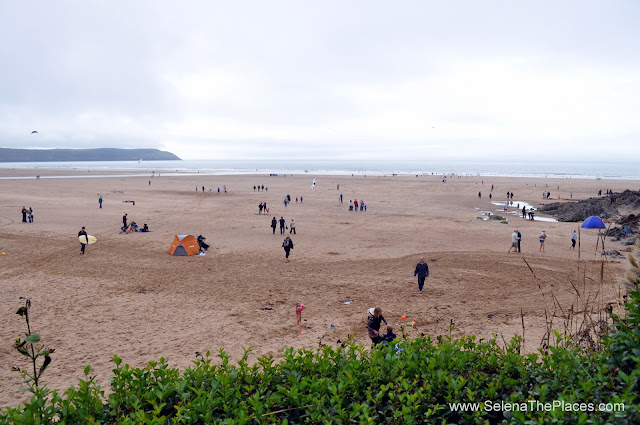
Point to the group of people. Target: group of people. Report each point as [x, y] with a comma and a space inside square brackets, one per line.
[283, 225]
[546, 195]
[516, 238]
[27, 215]
[353, 205]
[263, 206]
[132, 227]
[259, 187]
[531, 213]
[211, 188]
[287, 200]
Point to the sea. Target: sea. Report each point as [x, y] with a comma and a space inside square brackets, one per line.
[317, 167]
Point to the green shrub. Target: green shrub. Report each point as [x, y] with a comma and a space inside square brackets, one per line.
[411, 382]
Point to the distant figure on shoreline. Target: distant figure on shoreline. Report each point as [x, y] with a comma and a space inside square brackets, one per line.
[100, 201]
[24, 214]
[30, 215]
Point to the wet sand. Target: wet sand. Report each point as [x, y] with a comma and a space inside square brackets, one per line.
[128, 297]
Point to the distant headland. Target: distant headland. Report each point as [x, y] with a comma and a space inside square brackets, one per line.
[100, 154]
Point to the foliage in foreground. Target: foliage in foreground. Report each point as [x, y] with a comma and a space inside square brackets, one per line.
[413, 382]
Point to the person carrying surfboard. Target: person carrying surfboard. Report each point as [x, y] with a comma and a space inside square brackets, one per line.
[83, 245]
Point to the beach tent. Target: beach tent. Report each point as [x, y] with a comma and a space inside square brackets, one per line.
[184, 245]
[595, 222]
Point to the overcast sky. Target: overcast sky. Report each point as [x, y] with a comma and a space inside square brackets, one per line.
[518, 80]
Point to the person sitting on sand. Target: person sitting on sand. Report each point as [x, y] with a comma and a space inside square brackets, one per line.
[388, 337]
[374, 319]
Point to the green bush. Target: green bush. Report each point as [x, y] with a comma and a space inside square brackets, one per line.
[413, 382]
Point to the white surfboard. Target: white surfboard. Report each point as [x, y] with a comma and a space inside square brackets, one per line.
[92, 239]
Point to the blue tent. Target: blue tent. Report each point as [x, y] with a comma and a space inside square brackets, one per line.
[593, 222]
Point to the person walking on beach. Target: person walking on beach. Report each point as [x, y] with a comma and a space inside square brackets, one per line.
[524, 212]
[514, 242]
[124, 221]
[519, 239]
[281, 225]
[24, 214]
[422, 271]
[341, 198]
[30, 214]
[574, 239]
[374, 320]
[254, 187]
[543, 236]
[287, 244]
[292, 227]
[260, 208]
[100, 201]
[479, 195]
[274, 223]
[355, 204]
[83, 245]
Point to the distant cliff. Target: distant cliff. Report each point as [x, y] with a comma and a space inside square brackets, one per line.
[100, 154]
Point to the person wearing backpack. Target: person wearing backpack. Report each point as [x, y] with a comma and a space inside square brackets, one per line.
[287, 244]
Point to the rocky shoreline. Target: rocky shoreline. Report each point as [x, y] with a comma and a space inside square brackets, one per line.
[622, 207]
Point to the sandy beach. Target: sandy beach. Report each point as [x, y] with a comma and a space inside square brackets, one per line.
[128, 297]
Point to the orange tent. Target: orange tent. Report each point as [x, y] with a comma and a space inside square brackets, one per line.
[184, 245]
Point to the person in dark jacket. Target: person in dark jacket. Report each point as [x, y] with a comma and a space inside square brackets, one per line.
[389, 336]
[287, 244]
[83, 245]
[282, 222]
[373, 324]
[422, 271]
[274, 223]
[24, 214]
